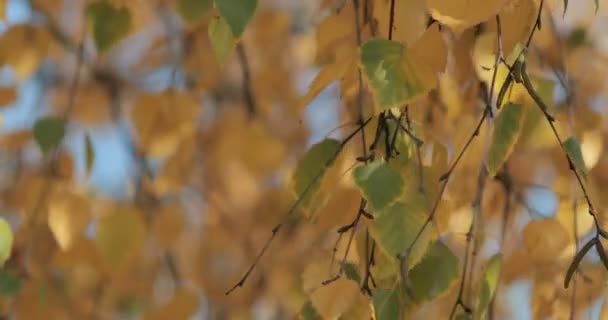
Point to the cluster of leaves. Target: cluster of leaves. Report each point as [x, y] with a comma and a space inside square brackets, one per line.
[430, 202]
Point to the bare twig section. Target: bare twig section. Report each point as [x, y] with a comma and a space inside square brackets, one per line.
[600, 232]
[543, 107]
[575, 227]
[444, 179]
[246, 71]
[407, 131]
[295, 205]
[460, 303]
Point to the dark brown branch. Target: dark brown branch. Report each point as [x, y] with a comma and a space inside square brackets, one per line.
[245, 69]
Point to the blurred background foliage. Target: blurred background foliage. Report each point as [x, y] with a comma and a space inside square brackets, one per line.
[149, 148]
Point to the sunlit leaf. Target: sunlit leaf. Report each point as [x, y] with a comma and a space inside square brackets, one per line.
[48, 133]
[396, 73]
[380, 184]
[332, 300]
[325, 77]
[387, 304]
[237, 13]
[222, 40]
[109, 23]
[68, 217]
[488, 284]
[507, 129]
[24, 47]
[395, 228]
[193, 11]
[573, 148]
[462, 14]
[6, 241]
[310, 169]
[434, 273]
[10, 283]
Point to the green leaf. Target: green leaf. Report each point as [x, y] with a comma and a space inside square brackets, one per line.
[577, 38]
[109, 23]
[222, 40]
[386, 69]
[573, 148]
[10, 283]
[237, 13]
[380, 184]
[507, 129]
[396, 227]
[310, 170]
[6, 241]
[193, 11]
[488, 284]
[351, 272]
[387, 304]
[89, 153]
[48, 133]
[435, 273]
[308, 312]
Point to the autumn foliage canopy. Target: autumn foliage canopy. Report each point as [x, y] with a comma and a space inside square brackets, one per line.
[279, 159]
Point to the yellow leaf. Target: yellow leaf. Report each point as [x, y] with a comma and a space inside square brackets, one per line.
[7, 96]
[409, 20]
[168, 225]
[335, 31]
[462, 14]
[91, 103]
[516, 20]
[545, 240]
[68, 217]
[183, 306]
[15, 140]
[334, 299]
[163, 120]
[177, 170]
[24, 47]
[3, 9]
[325, 77]
[119, 236]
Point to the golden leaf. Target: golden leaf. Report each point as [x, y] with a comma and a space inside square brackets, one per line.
[24, 47]
[168, 225]
[162, 121]
[68, 217]
[119, 236]
[545, 240]
[462, 14]
[7, 96]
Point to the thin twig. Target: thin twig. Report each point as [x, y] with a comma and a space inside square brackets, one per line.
[576, 248]
[543, 107]
[295, 205]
